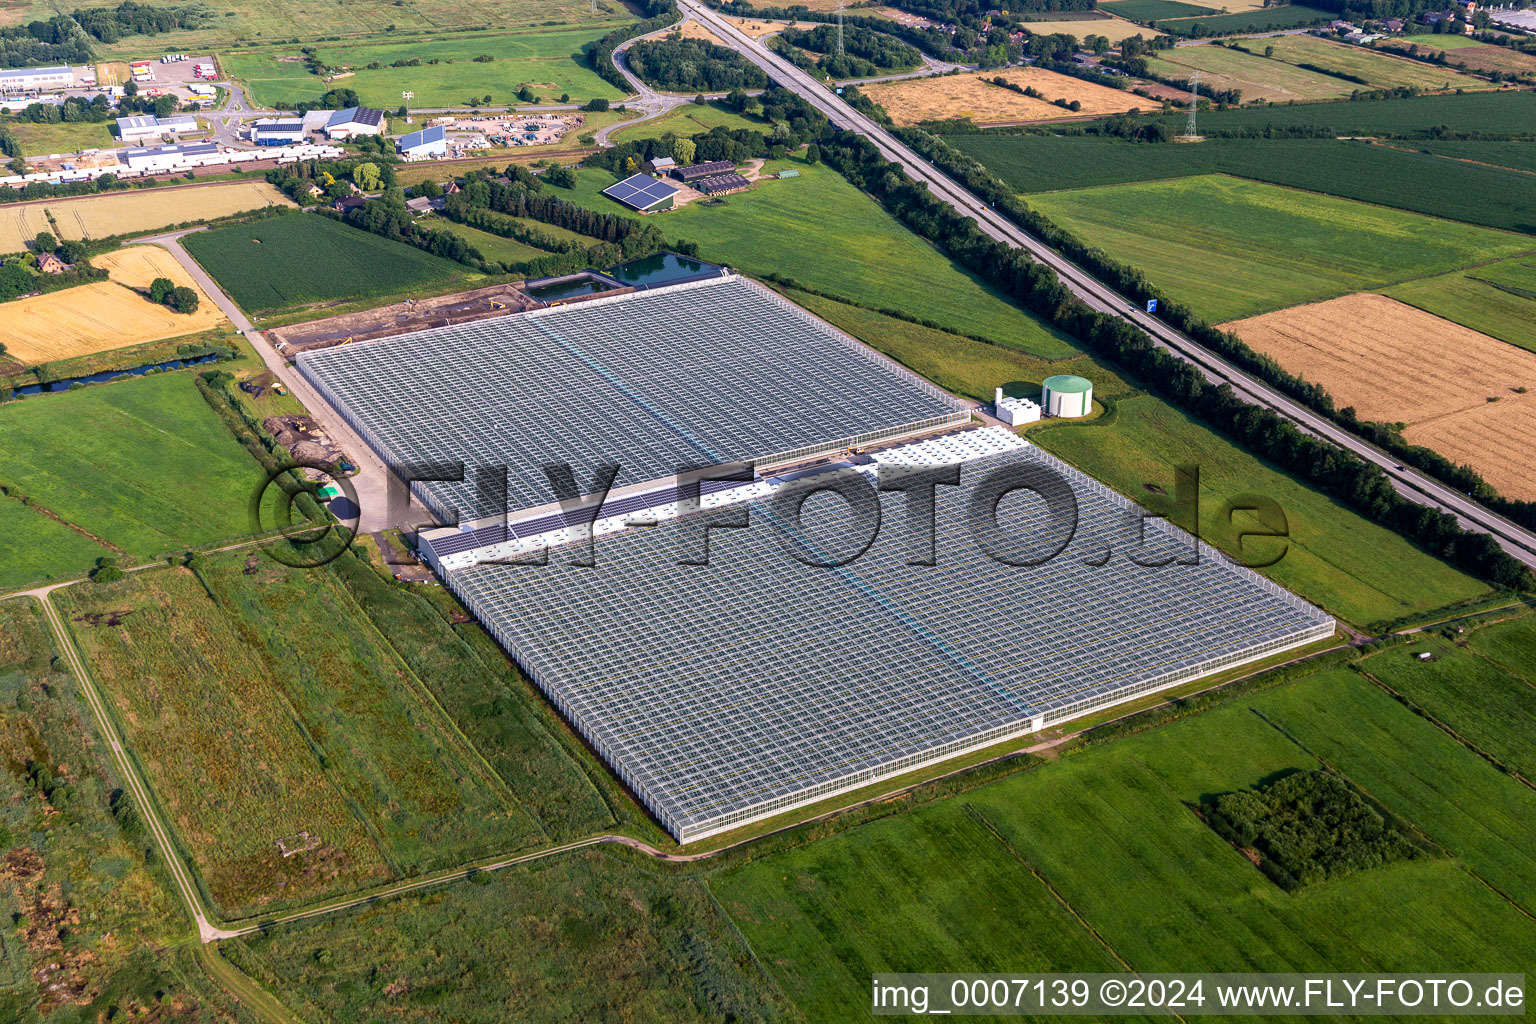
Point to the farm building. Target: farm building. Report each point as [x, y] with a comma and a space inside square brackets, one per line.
[663, 164]
[703, 170]
[276, 131]
[425, 144]
[768, 682]
[37, 79]
[1066, 395]
[643, 193]
[719, 184]
[354, 121]
[147, 126]
[422, 205]
[147, 160]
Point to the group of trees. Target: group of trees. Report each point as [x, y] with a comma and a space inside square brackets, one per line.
[1308, 826]
[692, 65]
[55, 41]
[657, 14]
[129, 18]
[866, 52]
[1350, 480]
[331, 177]
[19, 276]
[164, 291]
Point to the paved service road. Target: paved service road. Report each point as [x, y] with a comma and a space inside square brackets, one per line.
[1518, 542]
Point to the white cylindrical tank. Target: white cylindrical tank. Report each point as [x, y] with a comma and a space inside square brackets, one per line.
[1066, 395]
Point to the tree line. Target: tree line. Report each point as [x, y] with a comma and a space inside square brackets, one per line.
[109, 24]
[658, 14]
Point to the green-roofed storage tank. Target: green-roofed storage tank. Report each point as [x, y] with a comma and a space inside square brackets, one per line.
[1066, 395]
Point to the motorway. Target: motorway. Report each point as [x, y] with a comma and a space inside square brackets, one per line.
[1518, 542]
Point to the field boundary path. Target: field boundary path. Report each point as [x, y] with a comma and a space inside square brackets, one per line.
[1518, 542]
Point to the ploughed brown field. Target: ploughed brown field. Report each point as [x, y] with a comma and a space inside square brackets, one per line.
[1457, 391]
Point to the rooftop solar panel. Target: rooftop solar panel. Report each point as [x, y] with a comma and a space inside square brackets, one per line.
[726, 693]
[640, 190]
[705, 372]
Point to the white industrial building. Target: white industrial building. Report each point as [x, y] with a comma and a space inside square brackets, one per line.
[167, 158]
[425, 144]
[277, 131]
[354, 121]
[147, 126]
[1014, 411]
[1067, 395]
[37, 79]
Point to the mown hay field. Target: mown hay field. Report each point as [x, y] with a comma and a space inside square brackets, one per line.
[1380, 71]
[1497, 299]
[144, 210]
[264, 705]
[936, 99]
[1233, 248]
[19, 224]
[1257, 78]
[106, 314]
[1462, 393]
[283, 262]
[1114, 29]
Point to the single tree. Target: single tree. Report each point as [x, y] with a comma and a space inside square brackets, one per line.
[160, 288]
[684, 150]
[368, 177]
[183, 300]
[44, 242]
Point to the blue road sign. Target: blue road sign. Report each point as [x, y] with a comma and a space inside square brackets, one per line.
[1151, 305]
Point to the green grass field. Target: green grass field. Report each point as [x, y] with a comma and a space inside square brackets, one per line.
[1490, 705]
[299, 259]
[1474, 111]
[1232, 248]
[957, 364]
[591, 936]
[688, 119]
[143, 464]
[251, 22]
[1442, 41]
[1266, 19]
[1395, 175]
[1355, 569]
[1256, 77]
[1498, 299]
[263, 703]
[42, 139]
[1519, 156]
[1469, 808]
[548, 61]
[820, 230]
[1152, 10]
[492, 247]
[71, 863]
[1104, 840]
[1380, 71]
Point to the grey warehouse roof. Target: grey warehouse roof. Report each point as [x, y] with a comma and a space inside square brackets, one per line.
[654, 380]
[725, 693]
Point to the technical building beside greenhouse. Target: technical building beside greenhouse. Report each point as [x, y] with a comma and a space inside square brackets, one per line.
[826, 639]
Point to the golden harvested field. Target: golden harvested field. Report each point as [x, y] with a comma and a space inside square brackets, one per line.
[1398, 364]
[124, 213]
[19, 225]
[691, 29]
[1114, 29]
[935, 99]
[104, 315]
